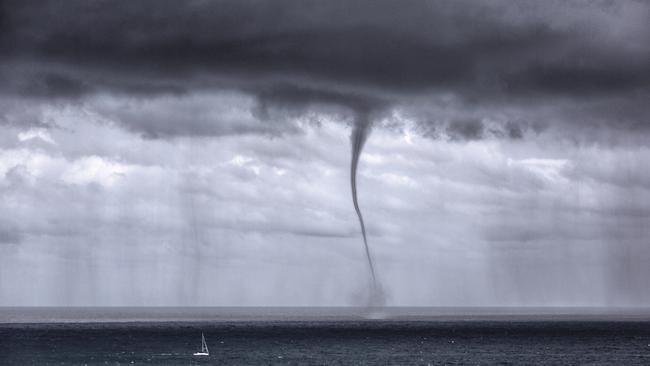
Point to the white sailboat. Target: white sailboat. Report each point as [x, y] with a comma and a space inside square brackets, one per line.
[204, 348]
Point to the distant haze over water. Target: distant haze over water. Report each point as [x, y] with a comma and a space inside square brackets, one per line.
[244, 314]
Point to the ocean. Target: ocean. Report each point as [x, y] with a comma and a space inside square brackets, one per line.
[324, 336]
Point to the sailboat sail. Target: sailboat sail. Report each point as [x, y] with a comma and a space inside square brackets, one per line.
[204, 348]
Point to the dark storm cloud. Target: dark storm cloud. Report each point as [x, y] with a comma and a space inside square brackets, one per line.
[293, 97]
[405, 46]
[342, 42]
[470, 129]
[514, 130]
[358, 54]
[49, 84]
[579, 77]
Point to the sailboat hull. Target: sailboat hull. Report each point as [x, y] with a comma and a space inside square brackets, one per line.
[201, 354]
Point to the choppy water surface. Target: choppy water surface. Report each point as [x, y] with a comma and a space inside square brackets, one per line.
[416, 340]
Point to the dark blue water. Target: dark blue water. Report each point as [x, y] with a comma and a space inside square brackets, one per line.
[501, 341]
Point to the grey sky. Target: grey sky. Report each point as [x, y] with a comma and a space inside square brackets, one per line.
[167, 153]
